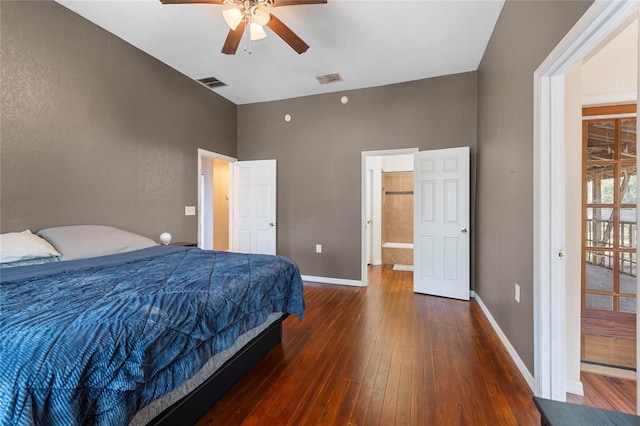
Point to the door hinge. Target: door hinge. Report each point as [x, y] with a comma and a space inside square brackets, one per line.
[562, 254]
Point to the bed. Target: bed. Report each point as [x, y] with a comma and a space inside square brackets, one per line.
[151, 335]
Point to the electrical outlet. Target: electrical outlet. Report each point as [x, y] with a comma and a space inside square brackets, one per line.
[517, 293]
[318, 248]
[189, 210]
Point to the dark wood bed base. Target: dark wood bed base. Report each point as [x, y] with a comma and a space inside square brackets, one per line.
[192, 407]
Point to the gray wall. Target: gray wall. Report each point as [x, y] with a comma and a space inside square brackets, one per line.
[319, 156]
[525, 34]
[95, 131]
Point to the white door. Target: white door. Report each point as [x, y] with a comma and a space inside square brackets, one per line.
[441, 223]
[254, 207]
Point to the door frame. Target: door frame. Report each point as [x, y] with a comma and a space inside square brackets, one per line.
[202, 155]
[363, 203]
[598, 22]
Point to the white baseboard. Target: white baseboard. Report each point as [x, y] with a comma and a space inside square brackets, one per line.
[337, 281]
[608, 371]
[575, 387]
[528, 377]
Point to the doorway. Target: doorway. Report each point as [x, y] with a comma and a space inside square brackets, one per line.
[397, 216]
[373, 163]
[236, 204]
[550, 287]
[221, 208]
[214, 210]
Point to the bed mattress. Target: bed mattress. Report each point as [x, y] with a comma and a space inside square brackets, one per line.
[95, 341]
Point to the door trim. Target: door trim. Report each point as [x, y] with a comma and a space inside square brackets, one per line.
[202, 154]
[598, 22]
[363, 201]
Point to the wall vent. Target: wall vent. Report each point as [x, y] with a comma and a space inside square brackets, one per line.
[211, 82]
[334, 77]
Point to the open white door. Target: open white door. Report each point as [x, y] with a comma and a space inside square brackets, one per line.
[441, 223]
[254, 207]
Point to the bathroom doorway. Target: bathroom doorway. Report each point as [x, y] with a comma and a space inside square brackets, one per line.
[393, 234]
[397, 213]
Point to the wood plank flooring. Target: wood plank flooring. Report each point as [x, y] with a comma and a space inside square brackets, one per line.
[381, 355]
[608, 338]
[605, 392]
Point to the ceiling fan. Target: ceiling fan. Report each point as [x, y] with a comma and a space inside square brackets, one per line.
[247, 18]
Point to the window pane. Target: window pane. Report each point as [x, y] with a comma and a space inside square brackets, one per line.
[599, 227]
[597, 301]
[627, 272]
[599, 270]
[628, 173]
[628, 138]
[600, 184]
[627, 228]
[628, 304]
[601, 136]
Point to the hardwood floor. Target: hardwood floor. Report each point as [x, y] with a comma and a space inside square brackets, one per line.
[381, 355]
[608, 338]
[605, 392]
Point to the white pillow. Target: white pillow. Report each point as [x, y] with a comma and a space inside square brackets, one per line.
[82, 241]
[15, 246]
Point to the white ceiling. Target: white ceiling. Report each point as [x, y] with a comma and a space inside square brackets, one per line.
[370, 43]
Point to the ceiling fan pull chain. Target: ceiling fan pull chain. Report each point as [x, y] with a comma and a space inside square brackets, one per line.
[247, 31]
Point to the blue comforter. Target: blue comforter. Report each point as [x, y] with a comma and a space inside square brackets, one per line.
[94, 341]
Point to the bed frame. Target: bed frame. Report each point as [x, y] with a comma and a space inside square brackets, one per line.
[195, 405]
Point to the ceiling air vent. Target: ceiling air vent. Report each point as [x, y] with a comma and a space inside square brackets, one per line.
[334, 77]
[211, 82]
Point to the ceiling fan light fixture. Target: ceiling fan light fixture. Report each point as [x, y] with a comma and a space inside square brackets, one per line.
[261, 15]
[257, 33]
[232, 17]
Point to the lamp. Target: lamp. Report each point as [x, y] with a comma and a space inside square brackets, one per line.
[165, 238]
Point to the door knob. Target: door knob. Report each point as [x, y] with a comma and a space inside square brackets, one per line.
[463, 230]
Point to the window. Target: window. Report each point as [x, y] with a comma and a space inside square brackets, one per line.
[609, 221]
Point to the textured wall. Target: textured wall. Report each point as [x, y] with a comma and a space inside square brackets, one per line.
[525, 34]
[95, 131]
[319, 157]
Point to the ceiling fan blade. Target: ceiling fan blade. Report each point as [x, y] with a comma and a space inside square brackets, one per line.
[277, 3]
[285, 33]
[233, 40]
[190, 1]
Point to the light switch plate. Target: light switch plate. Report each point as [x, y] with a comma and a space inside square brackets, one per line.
[189, 210]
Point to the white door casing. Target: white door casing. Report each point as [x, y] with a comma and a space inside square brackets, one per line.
[369, 222]
[549, 287]
[254, 207]
[441, 223]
